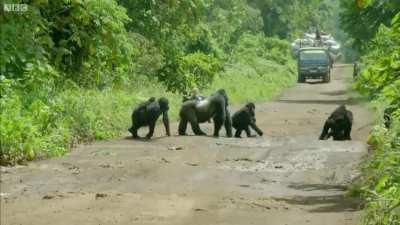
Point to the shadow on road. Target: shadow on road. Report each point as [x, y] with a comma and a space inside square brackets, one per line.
[323, 203]
[349, 101]
[335, 93]
[313, 187]
[315, 82]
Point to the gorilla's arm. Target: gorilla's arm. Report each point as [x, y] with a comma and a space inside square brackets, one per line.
[222, 117]
[324, 135]
[255, 128]
[166, 123]
[152, 125]
[348, 125]
[347, 132]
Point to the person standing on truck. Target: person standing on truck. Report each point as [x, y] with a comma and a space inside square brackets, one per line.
[318, 39]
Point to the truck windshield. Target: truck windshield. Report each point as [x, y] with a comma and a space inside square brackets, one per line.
[313, 55]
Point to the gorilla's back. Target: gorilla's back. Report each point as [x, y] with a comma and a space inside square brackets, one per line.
[203, 105]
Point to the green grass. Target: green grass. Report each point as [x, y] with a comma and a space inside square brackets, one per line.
[261, 82]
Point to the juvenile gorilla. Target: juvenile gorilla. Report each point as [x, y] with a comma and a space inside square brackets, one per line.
[338, 125]
[147, 113]
[195, 95]
[195, 112]
[244, 119]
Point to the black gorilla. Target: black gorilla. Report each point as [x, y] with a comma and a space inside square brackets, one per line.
[195, 112]
[387, 118]
[244, 119]
[338, 125]
[147, 113]
[389, 111]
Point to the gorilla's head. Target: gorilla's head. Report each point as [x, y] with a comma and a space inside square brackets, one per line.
[163, 102]
[251, 105]
[223, 93]
[152, 99]
[251, 108]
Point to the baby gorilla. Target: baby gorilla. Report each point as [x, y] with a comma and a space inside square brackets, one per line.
[338, 125]
[147, 113]
[244, 119]
[195, 95]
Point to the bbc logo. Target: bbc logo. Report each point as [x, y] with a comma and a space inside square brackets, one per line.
[15, 7]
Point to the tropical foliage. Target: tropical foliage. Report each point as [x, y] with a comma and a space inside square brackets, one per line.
[377, 34]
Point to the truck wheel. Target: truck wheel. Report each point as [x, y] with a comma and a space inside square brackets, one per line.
[301, 79]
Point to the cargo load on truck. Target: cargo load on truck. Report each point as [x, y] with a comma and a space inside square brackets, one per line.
[317, 39]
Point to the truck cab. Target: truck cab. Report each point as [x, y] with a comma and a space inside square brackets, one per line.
[314, 62]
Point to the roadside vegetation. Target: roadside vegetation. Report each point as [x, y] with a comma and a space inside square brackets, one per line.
[377, 38]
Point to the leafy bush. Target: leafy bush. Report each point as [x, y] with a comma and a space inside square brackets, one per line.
[251, 47]
[381, 176]
[195, 69]
[380, 81]
[84, 41]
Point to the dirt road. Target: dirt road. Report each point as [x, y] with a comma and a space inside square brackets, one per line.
[287, 177]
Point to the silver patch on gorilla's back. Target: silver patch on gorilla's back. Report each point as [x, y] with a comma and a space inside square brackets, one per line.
[202, 105]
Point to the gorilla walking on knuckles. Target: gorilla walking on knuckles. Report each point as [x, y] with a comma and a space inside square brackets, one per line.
[338, 125]
[195, 112]
[244, 119]
[147, 113]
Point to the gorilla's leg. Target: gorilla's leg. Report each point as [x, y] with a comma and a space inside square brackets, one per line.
[347, 131]
[136, 124]
[238, 132]
[152, 125]
[192, 118]
[349, 124]
[182, 126]
[195, 127]
[248, 132]
[133, 131]
[217, 125]
[228, 124]
[338, 136]
[329, 135]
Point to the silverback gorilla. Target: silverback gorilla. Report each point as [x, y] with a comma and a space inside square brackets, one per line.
[338, 125]
[147, 113]
[195, 112]
[244, 119]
